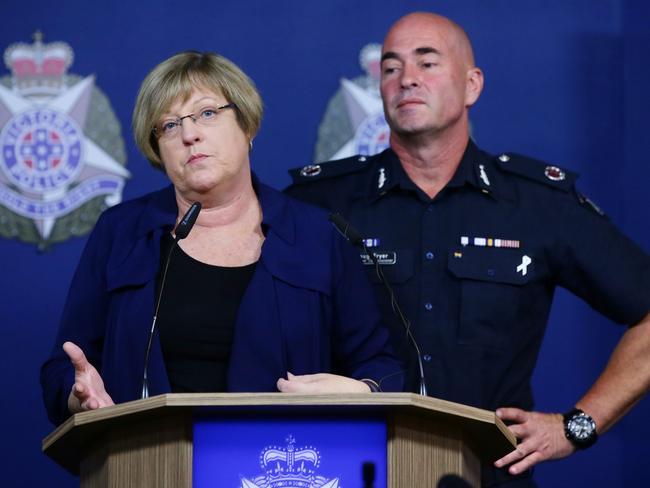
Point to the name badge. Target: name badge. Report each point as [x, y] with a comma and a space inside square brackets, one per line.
[383, 258]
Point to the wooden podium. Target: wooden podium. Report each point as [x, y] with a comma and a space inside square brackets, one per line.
[149, 443]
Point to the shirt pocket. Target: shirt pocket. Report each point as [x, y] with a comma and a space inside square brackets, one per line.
[492, 281]
[397, 265]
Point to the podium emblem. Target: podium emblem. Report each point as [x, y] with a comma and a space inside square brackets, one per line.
[290, 467]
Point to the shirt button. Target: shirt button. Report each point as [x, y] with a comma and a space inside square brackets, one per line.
[430, 208]
[426, 358]
[428, 306]
[429, 255]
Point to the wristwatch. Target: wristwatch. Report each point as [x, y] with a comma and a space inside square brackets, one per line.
[372, 384]
[580, 428]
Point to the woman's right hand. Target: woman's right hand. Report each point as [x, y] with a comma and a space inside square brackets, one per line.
[88, 391]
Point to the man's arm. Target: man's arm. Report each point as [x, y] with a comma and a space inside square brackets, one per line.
[620, 386]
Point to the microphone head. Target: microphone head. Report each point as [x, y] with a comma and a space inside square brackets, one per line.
[368, 473]
[345, 229]
[452, 481]
[187, 222]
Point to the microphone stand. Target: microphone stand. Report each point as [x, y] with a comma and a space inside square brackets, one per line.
[182, 231]
[355, 238]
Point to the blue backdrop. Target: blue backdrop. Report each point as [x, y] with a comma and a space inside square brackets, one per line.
[565, 82]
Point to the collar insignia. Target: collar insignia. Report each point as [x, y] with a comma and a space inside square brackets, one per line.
[382, 178]
[483, 175]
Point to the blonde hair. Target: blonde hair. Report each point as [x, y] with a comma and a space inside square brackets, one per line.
[174, 79]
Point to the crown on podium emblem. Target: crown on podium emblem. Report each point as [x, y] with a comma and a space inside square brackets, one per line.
[38, 69]
[290, 467]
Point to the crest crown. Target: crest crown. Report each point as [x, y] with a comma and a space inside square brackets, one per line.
[38, 69]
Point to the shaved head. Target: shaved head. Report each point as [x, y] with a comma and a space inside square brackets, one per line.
[455, 37]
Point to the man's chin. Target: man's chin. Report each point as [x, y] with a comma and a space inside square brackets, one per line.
[411, 129]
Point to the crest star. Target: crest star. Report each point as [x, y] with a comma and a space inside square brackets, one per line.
[361, 104]
[13, 103]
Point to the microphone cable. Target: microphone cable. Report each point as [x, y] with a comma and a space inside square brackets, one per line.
[182, 231]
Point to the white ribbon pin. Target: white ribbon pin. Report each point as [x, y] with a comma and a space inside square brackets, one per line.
[382, 178]
[523, 267]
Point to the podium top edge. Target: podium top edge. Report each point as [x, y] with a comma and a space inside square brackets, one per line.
[426, 405]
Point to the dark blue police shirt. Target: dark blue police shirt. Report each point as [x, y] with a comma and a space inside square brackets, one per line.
[475, 268]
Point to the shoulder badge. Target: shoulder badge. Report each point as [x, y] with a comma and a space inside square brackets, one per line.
[538, 171]
[330, 169]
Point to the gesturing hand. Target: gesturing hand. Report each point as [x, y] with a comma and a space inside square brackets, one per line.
[541, 437]
[321, 383]
[88, 391]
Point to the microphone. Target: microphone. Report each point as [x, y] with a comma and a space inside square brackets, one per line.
[368, 474]
[184, 227]
[181, 231]
[346, 230]
[452, 481]
[355, 238]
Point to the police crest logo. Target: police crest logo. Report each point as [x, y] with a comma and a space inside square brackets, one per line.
[62, 156]
[354, 121]
[289, 467]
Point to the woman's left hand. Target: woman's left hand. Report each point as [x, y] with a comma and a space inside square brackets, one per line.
[321, 383]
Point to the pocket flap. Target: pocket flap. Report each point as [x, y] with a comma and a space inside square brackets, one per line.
[496, 265]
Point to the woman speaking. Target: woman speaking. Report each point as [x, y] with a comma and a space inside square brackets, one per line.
[262, 295]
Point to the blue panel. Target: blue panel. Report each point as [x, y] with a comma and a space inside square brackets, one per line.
[287, 452]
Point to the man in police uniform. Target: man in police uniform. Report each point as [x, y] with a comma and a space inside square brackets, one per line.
[475, 245]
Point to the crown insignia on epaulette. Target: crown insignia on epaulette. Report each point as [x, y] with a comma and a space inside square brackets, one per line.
[311, 170]
[554, 173]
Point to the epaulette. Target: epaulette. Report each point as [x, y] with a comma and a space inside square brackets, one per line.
[330, 169]
[538, 171]
[587, 202]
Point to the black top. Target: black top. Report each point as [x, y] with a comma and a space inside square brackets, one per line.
[196, 319]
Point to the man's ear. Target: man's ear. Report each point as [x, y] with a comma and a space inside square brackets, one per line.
[474, 86]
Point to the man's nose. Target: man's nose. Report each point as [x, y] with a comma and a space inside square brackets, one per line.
[410, 76]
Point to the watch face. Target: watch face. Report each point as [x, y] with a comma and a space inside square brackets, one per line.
[581, 426]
